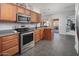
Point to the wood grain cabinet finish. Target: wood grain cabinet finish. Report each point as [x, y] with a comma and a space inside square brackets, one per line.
[27, 12]
[10, 51]
[0, 46]
[42, 34]
[39, 17]
[36, 17]
[47, 34]
[33, 17]
[8, 12]
[37, 35]
[10, 45]
[20, 10]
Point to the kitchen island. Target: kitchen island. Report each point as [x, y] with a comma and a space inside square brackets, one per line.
[43, 33]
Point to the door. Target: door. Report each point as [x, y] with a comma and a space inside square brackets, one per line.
[56, 25]
[8, 12]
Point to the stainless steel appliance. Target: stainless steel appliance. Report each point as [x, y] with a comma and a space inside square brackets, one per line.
[23, 18]
[26, 39]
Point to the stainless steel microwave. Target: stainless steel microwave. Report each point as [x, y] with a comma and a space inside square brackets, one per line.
[23, 18]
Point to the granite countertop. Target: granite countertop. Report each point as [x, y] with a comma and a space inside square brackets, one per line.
[10, 32]
[44, 28]
[7, 32]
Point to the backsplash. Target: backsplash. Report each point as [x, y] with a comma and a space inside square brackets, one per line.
[8, 26]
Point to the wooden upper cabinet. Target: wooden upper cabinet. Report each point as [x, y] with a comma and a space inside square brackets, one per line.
[20, 10]
[8, 12]
[39, 17]
[27, 12]
[33, 17]
[36, 17]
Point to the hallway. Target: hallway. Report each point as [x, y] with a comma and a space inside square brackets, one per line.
[61, 45]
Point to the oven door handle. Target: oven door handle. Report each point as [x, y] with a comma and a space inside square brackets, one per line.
[26, 33]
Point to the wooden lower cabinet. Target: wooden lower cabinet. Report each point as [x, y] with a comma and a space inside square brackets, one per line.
[47, 34]
[11, 51]
[0, 46]
[43, 34]
[10, 45]
[37, 35]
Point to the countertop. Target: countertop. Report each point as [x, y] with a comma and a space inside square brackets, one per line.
[43, 28]
[7, 32]
[10, 32]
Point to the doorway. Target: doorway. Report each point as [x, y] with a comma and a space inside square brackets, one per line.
[56, 25]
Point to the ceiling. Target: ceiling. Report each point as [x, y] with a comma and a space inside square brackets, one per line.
[53, 8]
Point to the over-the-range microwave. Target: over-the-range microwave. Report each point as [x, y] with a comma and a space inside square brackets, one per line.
[23, 18]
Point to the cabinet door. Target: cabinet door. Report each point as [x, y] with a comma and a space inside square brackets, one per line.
[11, 51]
[10, 44]
[27, 12]
[20, 10]
[37, 35]
[0, 46]
[47, 34]
[39, 17]
[8, 12]
[33, 17]
[42, 34]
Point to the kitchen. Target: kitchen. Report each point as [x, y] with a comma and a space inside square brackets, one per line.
[22, 27]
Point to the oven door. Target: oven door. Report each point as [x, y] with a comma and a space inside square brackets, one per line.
[27, 41]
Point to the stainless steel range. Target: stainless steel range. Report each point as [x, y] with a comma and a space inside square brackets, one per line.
[26, 39]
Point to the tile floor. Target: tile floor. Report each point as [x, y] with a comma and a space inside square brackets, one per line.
[61, 45]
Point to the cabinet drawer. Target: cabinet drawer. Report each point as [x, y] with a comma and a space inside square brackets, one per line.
[6, 38]
[9, 44]
[11, 51]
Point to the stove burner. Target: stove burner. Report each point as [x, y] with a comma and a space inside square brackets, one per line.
[23, 30]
